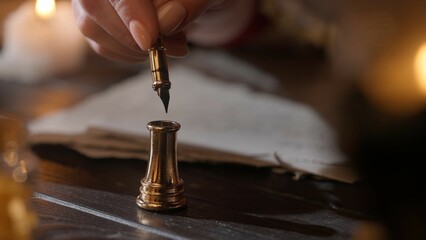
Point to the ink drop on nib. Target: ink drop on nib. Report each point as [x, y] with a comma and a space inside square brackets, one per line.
[165, 97]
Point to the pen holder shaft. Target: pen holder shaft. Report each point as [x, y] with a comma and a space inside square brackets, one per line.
[159, 68]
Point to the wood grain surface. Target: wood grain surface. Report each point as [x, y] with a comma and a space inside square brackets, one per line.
[88, 196]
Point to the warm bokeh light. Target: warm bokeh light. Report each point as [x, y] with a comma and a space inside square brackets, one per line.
[45, 8]
[420, 67]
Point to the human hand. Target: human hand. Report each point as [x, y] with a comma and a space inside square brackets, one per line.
[125, 29]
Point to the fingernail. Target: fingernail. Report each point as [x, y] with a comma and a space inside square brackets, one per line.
[179, 51]
[170, 16]
[182, 50]
[140, 34]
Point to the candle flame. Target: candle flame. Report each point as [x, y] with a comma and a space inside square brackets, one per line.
[45, 8]
[420, 67]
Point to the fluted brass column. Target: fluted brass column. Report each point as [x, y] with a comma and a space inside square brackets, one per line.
[162, 189]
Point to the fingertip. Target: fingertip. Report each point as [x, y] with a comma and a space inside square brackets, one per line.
[141, 34]
[179, 53]
[176, 46]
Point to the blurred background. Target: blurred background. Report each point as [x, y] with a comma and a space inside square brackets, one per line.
[7, 6]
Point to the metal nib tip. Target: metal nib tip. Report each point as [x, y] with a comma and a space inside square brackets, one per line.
[165, 97]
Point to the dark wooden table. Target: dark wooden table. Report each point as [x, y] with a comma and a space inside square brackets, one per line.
[81, 198]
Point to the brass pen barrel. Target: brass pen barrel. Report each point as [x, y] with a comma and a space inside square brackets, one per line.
[159, 68]
[160, 72]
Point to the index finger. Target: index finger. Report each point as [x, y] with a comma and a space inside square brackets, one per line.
[140, 17]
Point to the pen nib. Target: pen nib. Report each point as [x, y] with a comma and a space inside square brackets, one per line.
[164, 95]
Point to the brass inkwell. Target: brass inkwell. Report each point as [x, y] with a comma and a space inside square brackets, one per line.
[162, 189]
